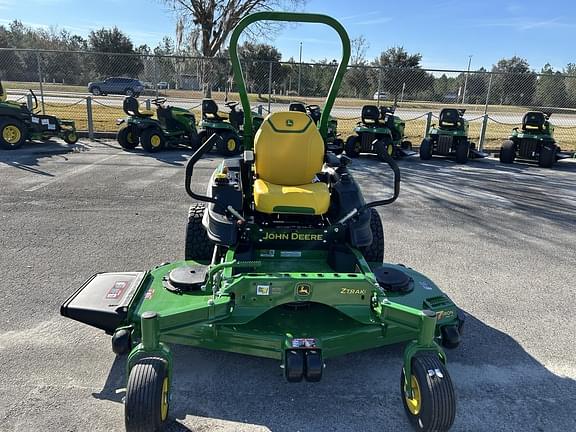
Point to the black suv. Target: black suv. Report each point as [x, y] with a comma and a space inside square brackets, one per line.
[116, 85]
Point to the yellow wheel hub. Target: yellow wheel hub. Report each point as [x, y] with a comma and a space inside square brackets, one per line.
[415, 403]
[358, 146]
[390, 149]
[11, 134]
[164, 401]
[155, 140]
[231, 144]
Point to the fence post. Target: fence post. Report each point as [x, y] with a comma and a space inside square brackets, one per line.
[428, 123]
[485, 120]
[40, 79]
[90, 118]
[269, 85]
[260, 109]
[379, 83]
[148, 105]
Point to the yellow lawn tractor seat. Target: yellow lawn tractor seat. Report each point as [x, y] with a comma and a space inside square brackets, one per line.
[289, 152]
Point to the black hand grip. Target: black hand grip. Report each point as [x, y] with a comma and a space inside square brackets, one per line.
[208, 144]
[388, 159]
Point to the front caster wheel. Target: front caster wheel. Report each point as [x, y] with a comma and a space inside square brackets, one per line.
[432, 406]
[147, 396]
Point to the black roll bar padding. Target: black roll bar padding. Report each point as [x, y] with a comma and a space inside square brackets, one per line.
[35, 98]
[208, 144]
[392, 163]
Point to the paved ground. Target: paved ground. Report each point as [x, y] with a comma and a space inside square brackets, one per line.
[500, 240]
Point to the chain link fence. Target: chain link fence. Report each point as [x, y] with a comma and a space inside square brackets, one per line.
[77, 86]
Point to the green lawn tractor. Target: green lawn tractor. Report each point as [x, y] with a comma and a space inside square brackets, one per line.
[450, 138]
[19, 124]
[534, 141]
[334, 143]
[379, 132]
[171, 127]
[284, 260]
[228, 130]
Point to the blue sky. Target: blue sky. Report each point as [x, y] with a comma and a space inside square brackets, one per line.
[445, 32]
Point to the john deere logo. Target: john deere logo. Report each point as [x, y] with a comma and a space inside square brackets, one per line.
[303, 289]
[289, 122]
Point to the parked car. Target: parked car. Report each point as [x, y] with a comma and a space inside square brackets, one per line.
[117, 85]
[163, 85]
[380, 96]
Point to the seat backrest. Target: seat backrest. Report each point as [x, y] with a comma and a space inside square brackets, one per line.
[131, 106]
[297, 106]
[209, 107]
[288, 148]
[534, 120]
[449, 118]
[2, 93]
[370, 114]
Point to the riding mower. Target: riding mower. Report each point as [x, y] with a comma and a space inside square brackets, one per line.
[334, 143]
[535, 141]
[171, 127]
[284, 260]
[379, 132]
[229, 132]
[450, 138]
[18, 123]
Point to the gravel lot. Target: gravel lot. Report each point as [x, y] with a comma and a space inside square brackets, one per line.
[500, 240]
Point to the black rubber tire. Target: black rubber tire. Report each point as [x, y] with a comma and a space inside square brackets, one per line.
[375, 252]
[129, 92]
[438, 402]
[146, 140]
[406, 145]
[127, 138]
[338, 146]
[547, 156]
[350, 147]
[197, 245]
[384, 146]
[426, 149]
[144, 395]
[294, 366]
[508, 152]
[462, 150]
[5, 145]
[96, 91]
[222, 145]
[70, 137]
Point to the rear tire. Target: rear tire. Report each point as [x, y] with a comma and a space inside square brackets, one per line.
[129, 92]
[352, 146]
[433, 406]
[375, 252]
[152, 140]
[462, 150]
[508, 152]
[127, 138]
[147, 396]
[426, 149]
[12, 134]
[547, 156]
[198, 246]
[96, 91]
[229, 144]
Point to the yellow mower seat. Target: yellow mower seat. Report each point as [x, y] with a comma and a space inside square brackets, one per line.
[289, 152]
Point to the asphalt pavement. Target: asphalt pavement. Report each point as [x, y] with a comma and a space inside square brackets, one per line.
[500, 240]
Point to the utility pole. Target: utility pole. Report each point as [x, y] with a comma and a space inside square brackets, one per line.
[300, 70]
[466, 79]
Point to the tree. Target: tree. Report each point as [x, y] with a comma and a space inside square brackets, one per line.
[551, 88]
[358, 77]
[402, 70]
[257, 58]
[114, 41]
[515, 83]
[570, 71]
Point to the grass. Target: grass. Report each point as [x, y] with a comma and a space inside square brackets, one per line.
[105, 121]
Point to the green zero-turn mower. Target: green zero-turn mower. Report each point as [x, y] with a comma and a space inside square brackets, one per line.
[284, 260]
[18, 124]
[380, 132]
[334, 143]
[534, 141]
[228, 130]
[450, 138]
[172, 126]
